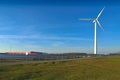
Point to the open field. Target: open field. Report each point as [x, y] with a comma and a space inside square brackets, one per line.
[104, 68]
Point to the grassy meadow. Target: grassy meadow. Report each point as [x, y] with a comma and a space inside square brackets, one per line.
[104, 68]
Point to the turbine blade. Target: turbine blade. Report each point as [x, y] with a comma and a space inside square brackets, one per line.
[100, 13]
[88, 19]
[100, 25]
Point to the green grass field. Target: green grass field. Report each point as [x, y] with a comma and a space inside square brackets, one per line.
[104, 68]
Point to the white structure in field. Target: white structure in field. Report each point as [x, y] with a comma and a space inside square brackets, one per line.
[27, 53]
[95, 21]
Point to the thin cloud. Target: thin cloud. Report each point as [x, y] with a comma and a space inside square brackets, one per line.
[15, 36]
[41, 37]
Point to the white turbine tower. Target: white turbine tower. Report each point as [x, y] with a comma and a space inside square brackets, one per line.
[95, 21]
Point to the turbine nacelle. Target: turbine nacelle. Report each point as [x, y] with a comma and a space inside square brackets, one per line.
[95, 20]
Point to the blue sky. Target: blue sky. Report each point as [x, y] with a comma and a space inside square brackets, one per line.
[54, 26]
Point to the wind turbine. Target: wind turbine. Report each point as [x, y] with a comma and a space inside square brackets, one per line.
[95, 21]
